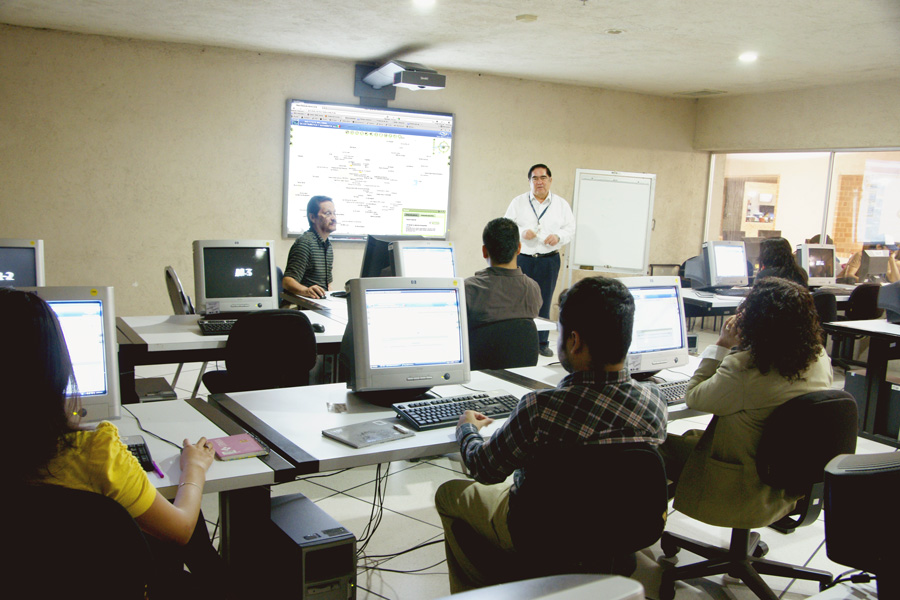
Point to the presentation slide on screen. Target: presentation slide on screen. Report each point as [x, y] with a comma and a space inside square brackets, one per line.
[388, 171]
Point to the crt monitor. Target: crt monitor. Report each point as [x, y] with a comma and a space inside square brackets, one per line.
[874, 265]
[21, 263]
[87, 316]
[234, 276]
[889, 300]
[726, 263]
[377, 255]
[423, 258]
[659, 338]
[405, 334]
[818, 262]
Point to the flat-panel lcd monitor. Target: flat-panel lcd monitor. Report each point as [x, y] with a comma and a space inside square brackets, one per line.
[233, 276]
[659, 337]
[406, 333]
[388, 169]
[818, 262]
[88, 320]
[376, 260]
[21, 263]
[727, 263]
[425, 258]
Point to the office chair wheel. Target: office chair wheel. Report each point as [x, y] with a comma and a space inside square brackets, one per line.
[669, 547]
[761, 549]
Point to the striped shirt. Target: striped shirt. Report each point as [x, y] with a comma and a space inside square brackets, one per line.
[587, 407]
[310, 260]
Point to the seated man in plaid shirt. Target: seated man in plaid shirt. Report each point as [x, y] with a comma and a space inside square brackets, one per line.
[596, 403]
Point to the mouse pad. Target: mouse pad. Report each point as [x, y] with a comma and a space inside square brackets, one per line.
[360, 435]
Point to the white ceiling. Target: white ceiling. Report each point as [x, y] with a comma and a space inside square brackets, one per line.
[667, 47]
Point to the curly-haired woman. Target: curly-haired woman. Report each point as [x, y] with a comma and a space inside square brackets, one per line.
[778, 356]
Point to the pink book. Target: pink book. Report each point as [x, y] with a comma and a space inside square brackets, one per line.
[237, 446]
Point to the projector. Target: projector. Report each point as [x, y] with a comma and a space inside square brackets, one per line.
[419, 80]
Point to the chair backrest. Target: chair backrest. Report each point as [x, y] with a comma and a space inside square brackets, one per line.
[280, 283]
[269, 349]
[590, 501]
[181, 302]
[60, 536]
[826, 305]
[802, 435]
[863, 303]
[503, 345]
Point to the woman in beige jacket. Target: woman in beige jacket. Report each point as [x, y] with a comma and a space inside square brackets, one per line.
[778, 356]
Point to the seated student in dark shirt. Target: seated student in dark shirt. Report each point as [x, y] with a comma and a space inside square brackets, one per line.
[502, 291]
[776, 259]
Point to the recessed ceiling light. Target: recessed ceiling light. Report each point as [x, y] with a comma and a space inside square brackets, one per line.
[748, 57]
[526, 18]
[424, 5]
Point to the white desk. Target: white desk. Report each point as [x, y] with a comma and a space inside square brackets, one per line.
[168, 339]
[292, 419]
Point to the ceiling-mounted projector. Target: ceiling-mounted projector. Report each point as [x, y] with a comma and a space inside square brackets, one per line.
[410, 75]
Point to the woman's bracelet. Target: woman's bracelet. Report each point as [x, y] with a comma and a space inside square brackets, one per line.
[184, 483]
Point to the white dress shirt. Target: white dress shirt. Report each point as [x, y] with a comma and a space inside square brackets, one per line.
[555, 218]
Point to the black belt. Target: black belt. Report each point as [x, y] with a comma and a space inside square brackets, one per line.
[554, 253]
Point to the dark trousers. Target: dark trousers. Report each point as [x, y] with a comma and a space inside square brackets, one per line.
[544, 270]
[208, 576]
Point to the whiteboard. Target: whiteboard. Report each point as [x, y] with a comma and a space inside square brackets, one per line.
[613, 218]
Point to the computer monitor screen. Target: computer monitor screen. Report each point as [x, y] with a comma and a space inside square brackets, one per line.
[818, 262]
[406, 333]
[377, 255]
[234, 276]
[87, 318]
[727, 263]
[21, 263]
[659, 337]
[423, 259]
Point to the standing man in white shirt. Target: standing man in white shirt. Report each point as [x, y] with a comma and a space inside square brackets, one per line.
[546, 224]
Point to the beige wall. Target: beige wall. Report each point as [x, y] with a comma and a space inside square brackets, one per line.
[838, 117]
[119, 153]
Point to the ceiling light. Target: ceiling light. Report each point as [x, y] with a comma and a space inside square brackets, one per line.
[424, 5]
[748, 57]
[526, 18]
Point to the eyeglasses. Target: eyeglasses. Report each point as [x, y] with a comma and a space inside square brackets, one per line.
[540, 178]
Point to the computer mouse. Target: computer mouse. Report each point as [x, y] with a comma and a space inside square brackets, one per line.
[340, 294]
[318, 327]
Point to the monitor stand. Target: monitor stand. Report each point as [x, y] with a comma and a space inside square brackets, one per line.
[389, 397]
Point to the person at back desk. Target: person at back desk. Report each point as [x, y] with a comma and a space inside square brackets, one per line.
[776, 259]
[502, 291]
[859, 262]
[308, 271]
[597, 403]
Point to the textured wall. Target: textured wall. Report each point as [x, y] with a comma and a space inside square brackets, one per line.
[118, 153]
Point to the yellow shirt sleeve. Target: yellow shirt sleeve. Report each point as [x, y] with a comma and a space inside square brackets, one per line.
[99, 462]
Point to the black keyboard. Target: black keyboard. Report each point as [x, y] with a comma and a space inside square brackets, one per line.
[673, 391]
[138, 447]
[434, 413]
[215, 326]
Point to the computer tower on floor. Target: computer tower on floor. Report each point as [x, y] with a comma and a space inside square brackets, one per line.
[311, 556]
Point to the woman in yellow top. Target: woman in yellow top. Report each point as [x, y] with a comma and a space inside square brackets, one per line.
[36, 372]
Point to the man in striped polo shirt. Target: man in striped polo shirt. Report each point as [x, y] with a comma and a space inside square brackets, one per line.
[308, 271]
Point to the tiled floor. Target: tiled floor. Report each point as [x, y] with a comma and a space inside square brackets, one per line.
[409, 520]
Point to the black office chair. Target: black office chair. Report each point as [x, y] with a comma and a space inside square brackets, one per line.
[826, 308]
[181, 305]
[581, 510]
[503, 345]
[861, 306]
[798, 440]
[266, 349]
[61, 540]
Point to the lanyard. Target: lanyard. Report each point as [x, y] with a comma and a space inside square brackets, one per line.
[531, 204]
